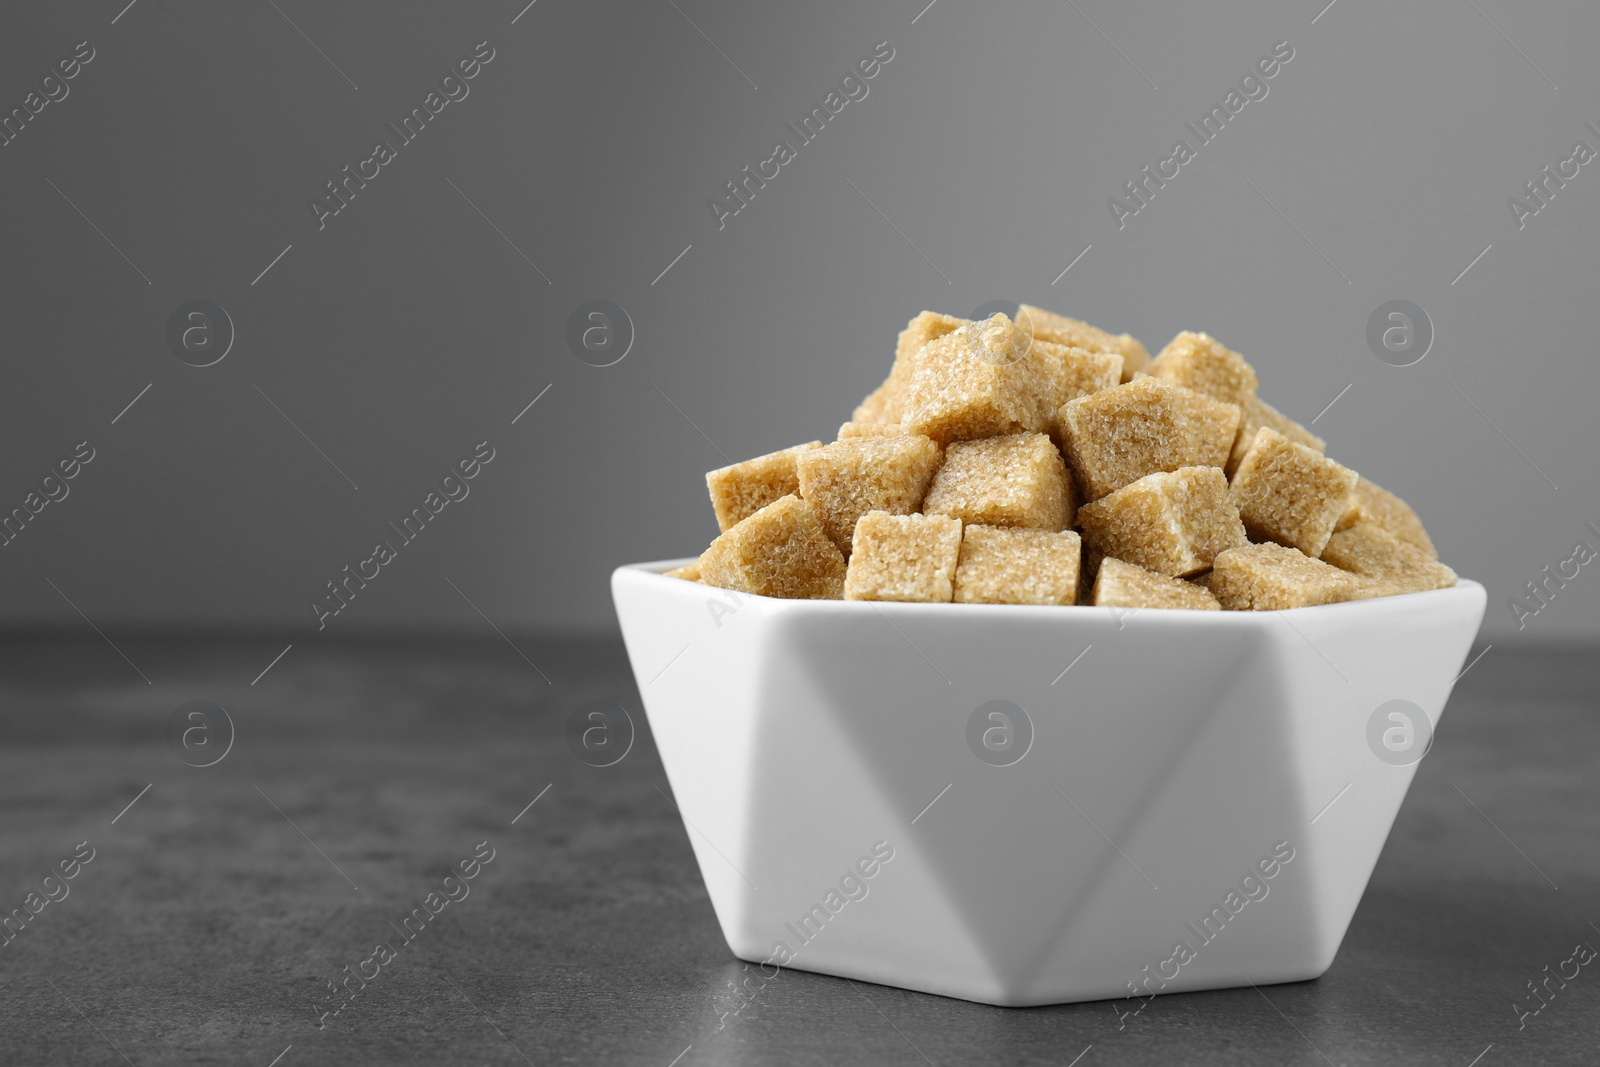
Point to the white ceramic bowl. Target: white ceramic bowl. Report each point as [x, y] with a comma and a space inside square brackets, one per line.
[1175, 757]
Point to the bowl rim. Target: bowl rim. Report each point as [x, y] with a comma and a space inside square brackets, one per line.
[651, 571]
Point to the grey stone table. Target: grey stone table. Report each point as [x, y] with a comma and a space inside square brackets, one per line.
[217, 909]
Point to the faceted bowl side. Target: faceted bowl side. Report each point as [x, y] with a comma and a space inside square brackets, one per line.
[1169, 753]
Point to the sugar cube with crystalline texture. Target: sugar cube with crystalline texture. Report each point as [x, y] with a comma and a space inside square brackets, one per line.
[781, 550]
[1125, 585]
[1119, 435]
[1048, 326]
[1200, 362]
[1171, 522]
[1289, 493]
[1007, 565]
[1257, 413]
[1079, 372]
[903, 557]
[846, 479]
[956, 437]
[981, 380]
[870, 429]
[1369, 550]
[1375, 504]
[886, 403]
[1270, 577]
[742, 489]
[689, 572]
[1016, 480]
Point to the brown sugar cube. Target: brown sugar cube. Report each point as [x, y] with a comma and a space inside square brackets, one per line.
[1124, 585]
[874, 407]
[980, 380]
[1135, 357]
[870, 429]
[1079, 373]
[742, 489]
[1016, 480]
[1006, 565]
[1119, 435]
[689, 572]
[1049, 326]
[925, 326]
[1373, 503]
[1369, 550]
[1289, 493]
[845, 480]
[887, 402]
[903, 557]
[781, 550]
[1273, 578]
[1172, 522]
[1257, 413]
[1200, 362]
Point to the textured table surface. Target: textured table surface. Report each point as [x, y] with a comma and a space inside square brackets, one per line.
[218, 907]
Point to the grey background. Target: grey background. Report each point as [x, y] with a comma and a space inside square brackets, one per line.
[409, 329]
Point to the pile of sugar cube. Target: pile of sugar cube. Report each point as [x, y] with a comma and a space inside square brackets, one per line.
[1045, 461]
